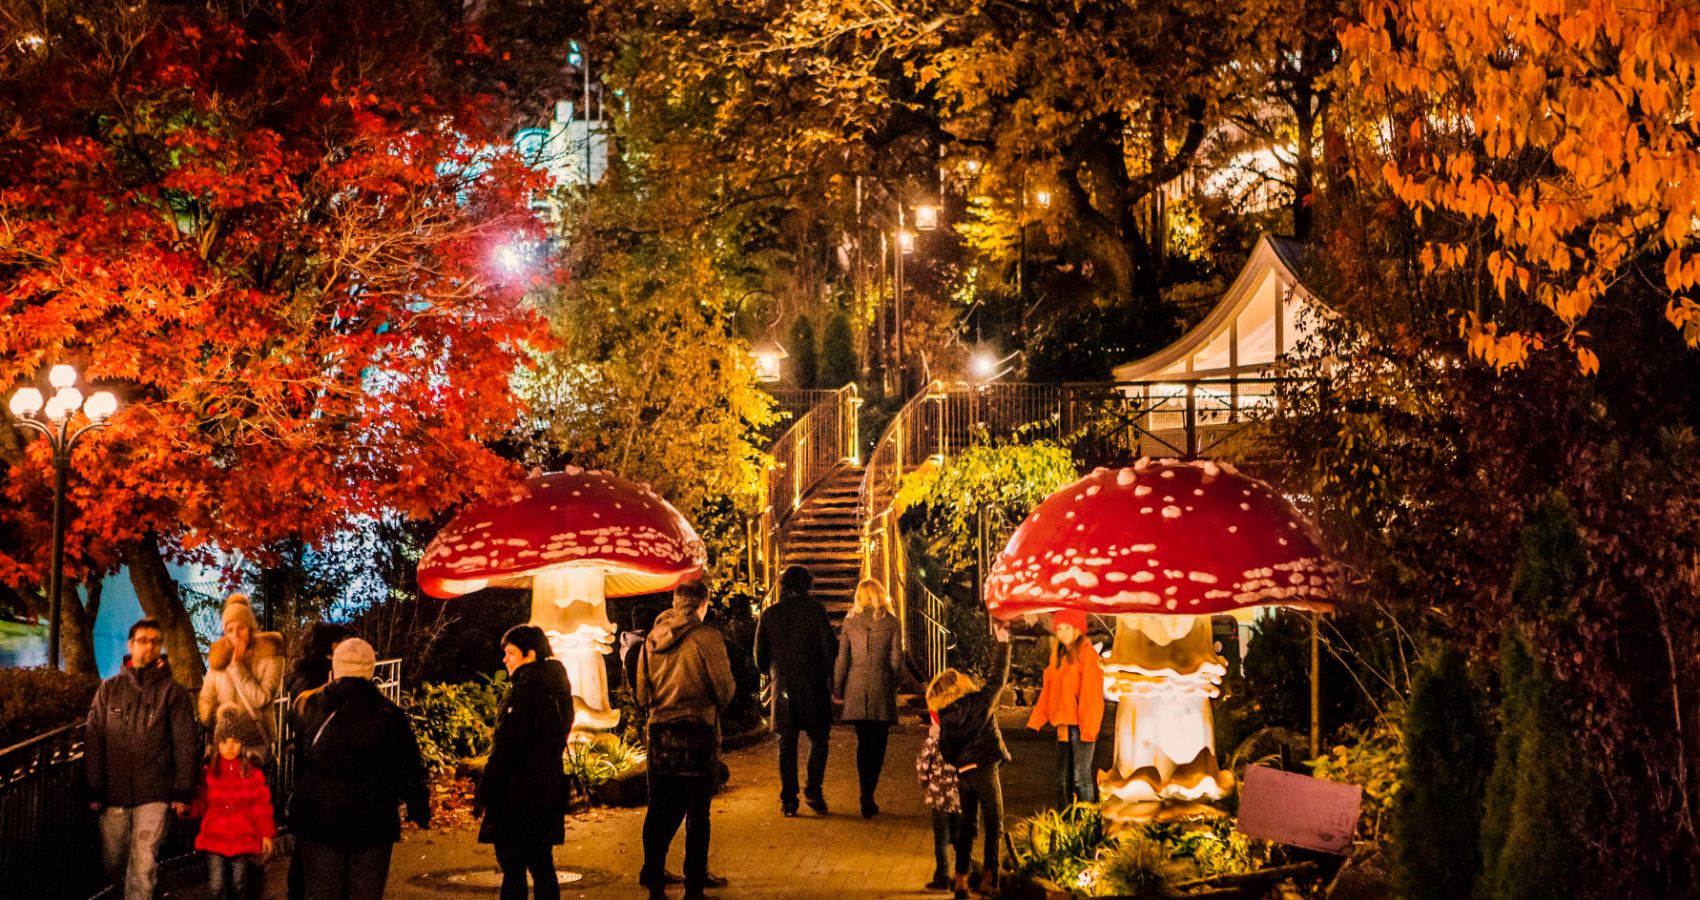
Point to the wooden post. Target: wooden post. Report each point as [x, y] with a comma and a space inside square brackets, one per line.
[1315, 685]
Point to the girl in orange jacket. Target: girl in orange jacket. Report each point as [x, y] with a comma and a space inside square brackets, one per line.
[1072, 701]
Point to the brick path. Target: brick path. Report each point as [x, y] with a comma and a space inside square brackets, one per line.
[762, 852]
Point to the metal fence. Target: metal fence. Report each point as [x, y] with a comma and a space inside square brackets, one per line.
[48, 843]
[822, 438]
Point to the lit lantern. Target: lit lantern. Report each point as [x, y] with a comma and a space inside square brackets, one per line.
[767, 354]
[906, 241]
[1163, 546]
[926, 216]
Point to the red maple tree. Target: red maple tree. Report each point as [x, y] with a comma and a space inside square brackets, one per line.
[274, 233]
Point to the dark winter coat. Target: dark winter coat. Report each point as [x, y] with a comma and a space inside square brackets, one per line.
[795, 646]
[140, 741]
[684, 674]
[524, 787]
[968, 727]
[870, 656]
[359, 760]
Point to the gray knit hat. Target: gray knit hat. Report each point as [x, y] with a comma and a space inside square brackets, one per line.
[353, 658]
[234, 722]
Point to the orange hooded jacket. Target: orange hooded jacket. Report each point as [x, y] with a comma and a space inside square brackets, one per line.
[1073, 694]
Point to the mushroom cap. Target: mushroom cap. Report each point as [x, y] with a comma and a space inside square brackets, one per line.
[576, 518]
[1162, 537]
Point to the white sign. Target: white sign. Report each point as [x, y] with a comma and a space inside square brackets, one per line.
[1299, 810]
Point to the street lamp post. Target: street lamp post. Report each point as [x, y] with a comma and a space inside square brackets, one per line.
[53, 420]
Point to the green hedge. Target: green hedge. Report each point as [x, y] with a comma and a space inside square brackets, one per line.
[37, 700]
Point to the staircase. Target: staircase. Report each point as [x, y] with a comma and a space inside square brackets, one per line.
[825, 536]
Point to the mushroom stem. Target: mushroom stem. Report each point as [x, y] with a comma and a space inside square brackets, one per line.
[1163, 672]
[570, 606]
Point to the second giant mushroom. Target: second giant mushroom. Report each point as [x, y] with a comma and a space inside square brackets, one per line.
[575, 538]
[1162, 546]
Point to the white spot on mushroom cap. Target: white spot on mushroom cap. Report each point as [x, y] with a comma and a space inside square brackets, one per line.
[1171, 512]
[1125, 477]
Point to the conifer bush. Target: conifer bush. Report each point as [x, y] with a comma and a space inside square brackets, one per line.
[1437, 813]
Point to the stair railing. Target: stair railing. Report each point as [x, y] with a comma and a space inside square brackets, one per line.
[914, 436]
[823, 438]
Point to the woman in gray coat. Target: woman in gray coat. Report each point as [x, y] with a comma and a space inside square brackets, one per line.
[870, 655]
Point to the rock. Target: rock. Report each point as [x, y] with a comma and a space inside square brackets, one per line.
[1363, 877]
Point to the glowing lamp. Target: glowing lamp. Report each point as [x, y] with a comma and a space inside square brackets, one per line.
[983, 365]
[26, 402]
[62, 376]
[767, 354]
[906, 241]
[926, 217]
[101, 406]
[1162, 545]
[1043, 198]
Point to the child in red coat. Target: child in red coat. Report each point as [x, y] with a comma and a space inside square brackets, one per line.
[238, 828]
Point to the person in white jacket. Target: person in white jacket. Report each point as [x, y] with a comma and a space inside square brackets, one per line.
[244, 668]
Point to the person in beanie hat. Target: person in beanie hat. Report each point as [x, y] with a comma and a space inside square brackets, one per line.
[359, 760]
[308, 676]
[237, 825]
[1072, 702]
[353, 658]
[244, 668]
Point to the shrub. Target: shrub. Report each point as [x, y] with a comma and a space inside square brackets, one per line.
[603, 759]
[38, 699]
[1057, 845]
[1370, 758]
[805, 362]
[1436, 823]
[1141, 868]
[455, 721]
[838, 352]
[1216, 850]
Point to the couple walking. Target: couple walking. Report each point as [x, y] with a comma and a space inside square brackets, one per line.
[809, 669]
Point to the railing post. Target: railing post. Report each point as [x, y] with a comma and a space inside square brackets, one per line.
[1191, 419]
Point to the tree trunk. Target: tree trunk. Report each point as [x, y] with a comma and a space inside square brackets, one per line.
[76, 631]
[160, 600]
[1304, 165]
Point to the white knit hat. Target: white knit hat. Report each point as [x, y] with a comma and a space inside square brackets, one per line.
[353, 658]
[236, 607]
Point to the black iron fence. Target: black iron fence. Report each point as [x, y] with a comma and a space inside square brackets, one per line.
[49, 845]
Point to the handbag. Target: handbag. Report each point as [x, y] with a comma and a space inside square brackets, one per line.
[684, 749]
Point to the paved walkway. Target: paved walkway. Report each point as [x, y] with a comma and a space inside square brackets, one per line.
[763, 853]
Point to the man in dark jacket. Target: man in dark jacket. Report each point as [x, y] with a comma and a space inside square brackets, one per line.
[684, 681]
[139, 754]
[307, 676]
[795, 646]
[360, 760]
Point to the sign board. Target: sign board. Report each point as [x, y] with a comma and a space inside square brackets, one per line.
[1299, 810]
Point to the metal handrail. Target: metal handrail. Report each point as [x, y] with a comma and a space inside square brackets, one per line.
[903, 444]
[822, 439]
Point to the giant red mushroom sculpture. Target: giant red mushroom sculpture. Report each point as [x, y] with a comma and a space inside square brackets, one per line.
[1163, 546]
[575, 538]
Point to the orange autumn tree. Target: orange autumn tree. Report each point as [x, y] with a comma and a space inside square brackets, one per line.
[1556, 140]
[273, 232]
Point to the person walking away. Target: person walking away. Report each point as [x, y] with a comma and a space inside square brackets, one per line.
[938, 791]
[139, 759]
[307, 679]
[360, 761]
[970, 740]
[795, 646]
[237, 826]
[870, 656]
[684, 682]
[522, 796]
[244, 668]
[1072, 701]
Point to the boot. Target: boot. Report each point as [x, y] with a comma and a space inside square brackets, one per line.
[989, 883]
[940, 882]
[959, 887]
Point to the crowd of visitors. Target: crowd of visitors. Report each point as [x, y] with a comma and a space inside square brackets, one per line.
[357, 764]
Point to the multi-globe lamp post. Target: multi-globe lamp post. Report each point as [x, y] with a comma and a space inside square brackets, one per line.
[55, 418]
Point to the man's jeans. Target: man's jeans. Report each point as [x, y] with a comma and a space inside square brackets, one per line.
[129, 846]
[818, 739]
[675, 799]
